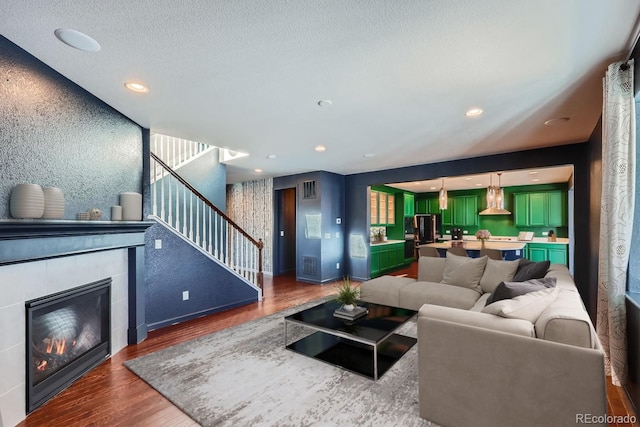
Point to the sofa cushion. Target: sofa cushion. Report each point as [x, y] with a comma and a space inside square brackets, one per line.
[384, 290]
[415, 295]
[497, 271]
[478, 320]
[531, 270]
[463, 271]
[507, 290]
[526, 307]
[430, 269]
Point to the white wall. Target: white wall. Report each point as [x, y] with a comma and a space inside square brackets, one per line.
[26, 281]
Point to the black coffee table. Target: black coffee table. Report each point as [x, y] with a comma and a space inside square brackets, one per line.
[367, 346]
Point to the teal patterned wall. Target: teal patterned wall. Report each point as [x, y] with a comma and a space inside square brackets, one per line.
[250, 205]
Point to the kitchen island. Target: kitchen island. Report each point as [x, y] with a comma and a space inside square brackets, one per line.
[511, 250]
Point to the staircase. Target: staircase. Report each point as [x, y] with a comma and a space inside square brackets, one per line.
[187, 213]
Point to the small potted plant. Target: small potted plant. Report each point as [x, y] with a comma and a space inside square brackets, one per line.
[347, 294]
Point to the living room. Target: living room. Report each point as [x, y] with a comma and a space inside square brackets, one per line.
[95, 152]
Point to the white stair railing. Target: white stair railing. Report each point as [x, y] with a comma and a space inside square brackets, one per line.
[176, 152]
[181, 207]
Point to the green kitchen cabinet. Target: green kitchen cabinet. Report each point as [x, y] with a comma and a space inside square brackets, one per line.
[434, 206]
[557, 204]
[540, 209]
[386, 258]
[427, 206]
[553, 252]
[464, 210]
[409, 204]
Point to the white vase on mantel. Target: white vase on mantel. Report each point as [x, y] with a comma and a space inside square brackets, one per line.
[348, 307]
[27, 201]
[53, 203]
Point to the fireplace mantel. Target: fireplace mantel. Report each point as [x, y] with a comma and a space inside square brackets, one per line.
[29, 240]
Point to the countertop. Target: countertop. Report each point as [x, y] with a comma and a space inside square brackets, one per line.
[511, 239]
[386, 242]
[477, 245]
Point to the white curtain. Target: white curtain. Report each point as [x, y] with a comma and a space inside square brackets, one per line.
[616, 216]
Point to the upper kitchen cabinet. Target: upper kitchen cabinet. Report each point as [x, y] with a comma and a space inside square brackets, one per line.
[409, 204]
[427, 206]
[462, 211]
[540, 209]
[382, 208]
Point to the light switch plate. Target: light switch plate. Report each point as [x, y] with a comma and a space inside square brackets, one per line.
[158, 244]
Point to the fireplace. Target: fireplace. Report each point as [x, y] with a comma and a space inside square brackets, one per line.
[68, 333]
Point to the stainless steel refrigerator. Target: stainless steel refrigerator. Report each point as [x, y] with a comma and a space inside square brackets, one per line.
[427, 228]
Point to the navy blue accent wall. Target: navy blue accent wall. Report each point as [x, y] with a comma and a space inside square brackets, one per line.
[316, 258]
[207, 175]
[179, 267]
[54, 133]
[357, 213]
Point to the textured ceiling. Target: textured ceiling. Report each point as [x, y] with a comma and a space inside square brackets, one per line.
[247, 75]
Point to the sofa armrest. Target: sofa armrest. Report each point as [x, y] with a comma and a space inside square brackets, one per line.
[470, 375]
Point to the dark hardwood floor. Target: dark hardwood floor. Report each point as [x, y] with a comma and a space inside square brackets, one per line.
[110, 395]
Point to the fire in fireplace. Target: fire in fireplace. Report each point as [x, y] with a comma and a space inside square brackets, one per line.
[68, 334]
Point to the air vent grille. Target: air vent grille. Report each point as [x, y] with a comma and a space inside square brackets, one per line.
[309, 190]
[310, 265]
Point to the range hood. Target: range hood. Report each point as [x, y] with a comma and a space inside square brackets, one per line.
[494, 211]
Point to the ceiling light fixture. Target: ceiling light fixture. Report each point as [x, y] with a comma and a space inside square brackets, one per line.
[136, 87]
[271, 156]
[320, 148]
[77, 40]
[473, 112]
[258, 170]
[495, 199]
[325, 103]
[443, 198]
[369, 155]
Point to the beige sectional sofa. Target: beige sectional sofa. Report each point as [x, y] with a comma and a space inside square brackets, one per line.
[529, 360]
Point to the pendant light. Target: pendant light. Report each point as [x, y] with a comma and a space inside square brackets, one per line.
[495, 199]
[442, 197]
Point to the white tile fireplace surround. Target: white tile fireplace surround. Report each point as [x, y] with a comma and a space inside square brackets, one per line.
[26, 281]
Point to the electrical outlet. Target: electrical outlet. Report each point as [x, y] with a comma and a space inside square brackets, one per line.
[447, 231]
[337, 234]
[327, 235]
[338, 220]
[185, 295]
[158, 244]
[545, 233]
[337, 266]
[465, 231]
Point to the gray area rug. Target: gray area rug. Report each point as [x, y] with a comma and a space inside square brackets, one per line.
[244, 376]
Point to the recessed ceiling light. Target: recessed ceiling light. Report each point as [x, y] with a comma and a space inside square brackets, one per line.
[479, 184]
[325, 103]
[258, 170]
[533, 172]
[472, 112]
[320, 148]
[271, 156]
[136, 87]
[535, 180]
[369, 155]
[77, 40]
[432, 188]
[467, 179]
[557, 121]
